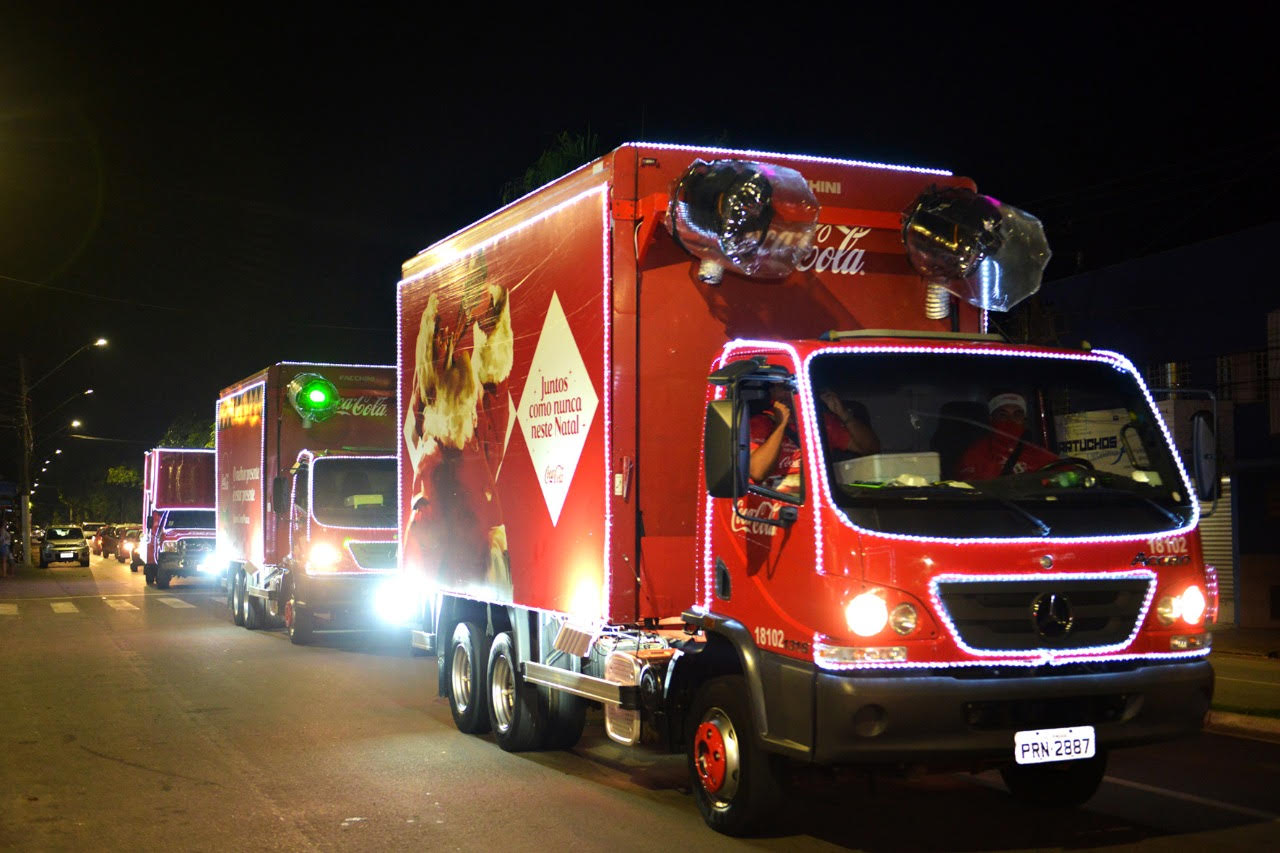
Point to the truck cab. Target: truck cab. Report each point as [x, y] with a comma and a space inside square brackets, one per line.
[341, 515]
[179, 543]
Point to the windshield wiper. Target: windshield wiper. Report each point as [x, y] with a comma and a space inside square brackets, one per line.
[1010, 505]
[919, 492]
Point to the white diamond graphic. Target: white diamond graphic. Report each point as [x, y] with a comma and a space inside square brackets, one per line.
[556, 409]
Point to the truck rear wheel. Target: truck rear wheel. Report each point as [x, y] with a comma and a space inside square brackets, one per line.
[566, 717]
[468, 653]
[251, 612]
[1062, 784]
[234, 596]
[513, 705]
[735, 782]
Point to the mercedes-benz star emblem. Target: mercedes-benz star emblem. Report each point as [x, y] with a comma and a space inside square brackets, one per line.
[1051, 614]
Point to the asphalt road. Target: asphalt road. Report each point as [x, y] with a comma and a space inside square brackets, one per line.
[134, 718]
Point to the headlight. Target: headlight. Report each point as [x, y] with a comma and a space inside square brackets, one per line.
[128, 546]
[1192, 605]
[322, 557]
[1189, 607]
[903, 619]
[867, 614]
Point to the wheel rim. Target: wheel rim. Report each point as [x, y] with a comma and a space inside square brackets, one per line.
[288, 616]
[244, 601]
[461, 678]
[716, 758]
[503, 693]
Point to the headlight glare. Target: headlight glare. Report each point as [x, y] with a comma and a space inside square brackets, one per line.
[322, 557]
[867, 614]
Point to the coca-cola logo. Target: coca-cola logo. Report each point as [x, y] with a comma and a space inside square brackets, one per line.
[741, 523]
[834, 248]
[364, 407]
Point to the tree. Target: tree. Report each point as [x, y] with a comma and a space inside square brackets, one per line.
[566, 153]
[189, 430]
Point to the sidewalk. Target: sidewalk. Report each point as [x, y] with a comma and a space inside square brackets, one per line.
[1257, 644]
[1247, 641]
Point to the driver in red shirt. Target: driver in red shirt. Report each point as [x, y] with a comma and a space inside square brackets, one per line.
[775, 450]
[1003, 450]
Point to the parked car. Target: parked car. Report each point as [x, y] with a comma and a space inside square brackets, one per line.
[95, 541]
[127, 547]
[64, 545]
[90, 529]
[108, 538]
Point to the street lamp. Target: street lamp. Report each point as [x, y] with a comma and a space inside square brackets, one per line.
[28, 437]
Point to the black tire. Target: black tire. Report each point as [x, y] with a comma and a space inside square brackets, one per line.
[1058, 784]
[133, 567]
[566, 717]
[514, 715]
[298, 622]
[119, 559]
[84, 564]
[163, 577]
[149, 572]
[237, 593]
[468, 654]
[43, 563]
[735, 783]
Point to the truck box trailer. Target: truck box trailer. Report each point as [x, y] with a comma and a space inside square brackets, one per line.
[177, 537]
[720, 440]
[306, 473]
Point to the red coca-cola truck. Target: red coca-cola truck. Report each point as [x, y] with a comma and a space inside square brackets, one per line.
[306, 497]
[177, 515]
[721, 441]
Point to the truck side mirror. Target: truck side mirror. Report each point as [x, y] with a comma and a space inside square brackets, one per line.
[1204, 453]
[280, 495]
[725, 453]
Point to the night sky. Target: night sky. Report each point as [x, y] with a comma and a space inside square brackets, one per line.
[217, 188]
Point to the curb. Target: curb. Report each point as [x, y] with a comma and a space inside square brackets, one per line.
[1227, 723]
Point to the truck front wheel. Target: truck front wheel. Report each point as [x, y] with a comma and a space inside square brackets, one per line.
[163, 576]
[513, 705]
[1060, 783]
[468, 653]
[149, 572]
[297, 622]
[734, 781]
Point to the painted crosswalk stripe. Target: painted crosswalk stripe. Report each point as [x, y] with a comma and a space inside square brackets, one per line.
[119, 604]
[8, 610]
[174, 602]
[64, 607]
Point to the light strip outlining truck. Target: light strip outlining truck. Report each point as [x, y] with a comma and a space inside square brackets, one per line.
[920, 575]
[177, 537]
[306, 496]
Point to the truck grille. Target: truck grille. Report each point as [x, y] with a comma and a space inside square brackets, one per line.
[374, 555]
[1052, 613]
[192, 546]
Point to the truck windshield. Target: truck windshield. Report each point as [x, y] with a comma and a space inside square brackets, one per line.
[354, 492]
[189, 519]
[988, 446]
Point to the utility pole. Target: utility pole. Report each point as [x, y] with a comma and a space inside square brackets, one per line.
[28, 447]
